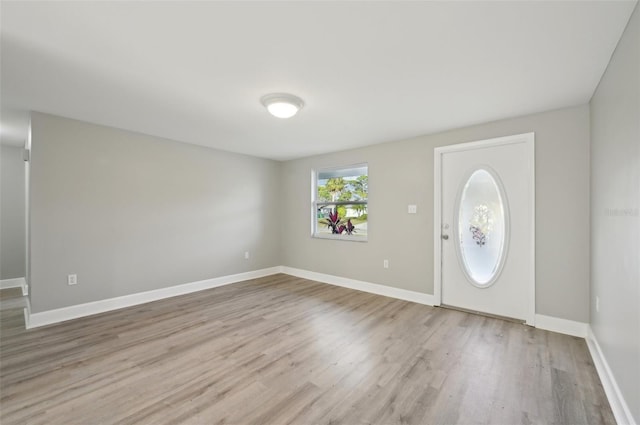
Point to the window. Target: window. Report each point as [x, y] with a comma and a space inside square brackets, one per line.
[340, 203]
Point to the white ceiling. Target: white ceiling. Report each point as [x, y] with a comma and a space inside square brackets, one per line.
[369, 72]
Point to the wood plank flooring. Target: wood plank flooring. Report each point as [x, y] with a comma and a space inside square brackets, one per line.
[284, 350]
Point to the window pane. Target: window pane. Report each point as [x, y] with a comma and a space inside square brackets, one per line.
[343, 172]
[482, 227]
[342, 220]
[343, 185]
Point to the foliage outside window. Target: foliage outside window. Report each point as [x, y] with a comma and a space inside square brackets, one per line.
[340, 197]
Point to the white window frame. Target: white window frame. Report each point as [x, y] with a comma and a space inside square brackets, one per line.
[314, 205]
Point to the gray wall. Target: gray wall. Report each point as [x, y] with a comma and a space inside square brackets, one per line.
[12, 213]
[401, 173]
[130, 213]
[615, 214]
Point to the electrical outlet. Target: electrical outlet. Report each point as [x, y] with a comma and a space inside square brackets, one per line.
[598, 304]
[385, 264]
[246, 255]
[72, 279]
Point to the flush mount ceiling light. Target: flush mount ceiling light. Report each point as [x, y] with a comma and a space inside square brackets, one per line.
[282, 105]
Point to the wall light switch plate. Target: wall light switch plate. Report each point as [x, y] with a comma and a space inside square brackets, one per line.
[72, 279]
[412, 209]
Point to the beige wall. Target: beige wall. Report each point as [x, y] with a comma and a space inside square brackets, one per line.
[615, 214]
[12, 213]
[401, 173]
[130, 213]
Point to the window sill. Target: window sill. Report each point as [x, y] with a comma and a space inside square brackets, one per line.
[340, 237]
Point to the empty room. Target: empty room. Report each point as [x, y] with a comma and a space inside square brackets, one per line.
[320, 212]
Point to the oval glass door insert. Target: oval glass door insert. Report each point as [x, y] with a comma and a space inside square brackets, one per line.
[482, 227]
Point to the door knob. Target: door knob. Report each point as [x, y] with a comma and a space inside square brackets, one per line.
[445, 237]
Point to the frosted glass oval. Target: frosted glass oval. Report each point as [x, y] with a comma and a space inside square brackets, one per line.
[482, 227]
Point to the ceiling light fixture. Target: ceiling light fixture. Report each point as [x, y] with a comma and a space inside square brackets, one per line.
[282, 105]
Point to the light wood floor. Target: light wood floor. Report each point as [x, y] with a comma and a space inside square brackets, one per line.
[281, 350]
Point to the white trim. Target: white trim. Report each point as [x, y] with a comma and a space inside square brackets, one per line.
[486, 143]
[563, 326]
[617, 402]
[350, 238]
[87, 309]
[27, 314]
[529, 140]
[437, 226]
[34, 320]
[373, 288]
[18, 282]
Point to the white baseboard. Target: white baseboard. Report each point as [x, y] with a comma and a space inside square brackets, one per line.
[554, 324]
[563, 326]
[18, 282]
[374, 288]
[34, 320]
[43, 318]
[27, 314]
[617, 402]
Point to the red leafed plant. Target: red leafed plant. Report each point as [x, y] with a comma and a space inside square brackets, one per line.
[350, 228]
[334, 222]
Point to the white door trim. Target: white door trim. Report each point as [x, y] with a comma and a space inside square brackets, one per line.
[529, 140]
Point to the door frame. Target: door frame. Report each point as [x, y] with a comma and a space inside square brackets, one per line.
[529, 140]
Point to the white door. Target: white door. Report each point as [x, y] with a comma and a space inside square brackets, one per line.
[484, 228]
